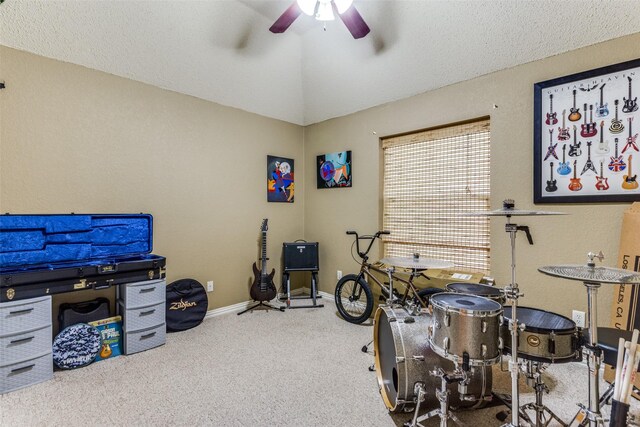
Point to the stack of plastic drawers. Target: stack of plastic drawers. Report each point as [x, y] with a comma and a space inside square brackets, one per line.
[143, 309]
[25, 343]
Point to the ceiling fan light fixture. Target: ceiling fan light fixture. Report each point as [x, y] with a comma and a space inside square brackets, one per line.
[325, 11]
[308, 7]
[343, 5]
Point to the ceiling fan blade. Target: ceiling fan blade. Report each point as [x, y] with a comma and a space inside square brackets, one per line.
[354, 23]
[286, 19]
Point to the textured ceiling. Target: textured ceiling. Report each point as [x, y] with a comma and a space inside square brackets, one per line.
[222, 50]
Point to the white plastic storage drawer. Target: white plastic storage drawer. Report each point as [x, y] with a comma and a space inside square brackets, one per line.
[145, 339]
[23, 374]
[144, 317]
[25, 345]
[24, 315]
[143, 294]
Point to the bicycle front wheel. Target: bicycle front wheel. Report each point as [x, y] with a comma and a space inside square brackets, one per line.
[353, 299]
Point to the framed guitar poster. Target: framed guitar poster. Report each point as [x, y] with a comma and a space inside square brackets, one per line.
[586, 127]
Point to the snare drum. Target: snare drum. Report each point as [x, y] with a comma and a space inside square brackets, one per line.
[486, 291]
[403, 358]
[466, 325]
[547, 337]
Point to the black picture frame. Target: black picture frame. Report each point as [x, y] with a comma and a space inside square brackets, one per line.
[571, 93]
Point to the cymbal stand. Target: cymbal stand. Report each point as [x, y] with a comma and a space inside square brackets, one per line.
[544, 415]
[443, 412]
[594, 359]
[512, 294]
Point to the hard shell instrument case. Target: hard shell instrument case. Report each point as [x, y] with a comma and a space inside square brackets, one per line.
[50, 254]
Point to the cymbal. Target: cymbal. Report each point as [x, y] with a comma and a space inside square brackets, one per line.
[416, 263]
[508, 209]
[587, 273]
[511, 212]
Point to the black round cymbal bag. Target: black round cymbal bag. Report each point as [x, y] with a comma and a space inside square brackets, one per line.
[187, 305]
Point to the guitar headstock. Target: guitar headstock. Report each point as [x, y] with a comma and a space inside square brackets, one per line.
[264, 226]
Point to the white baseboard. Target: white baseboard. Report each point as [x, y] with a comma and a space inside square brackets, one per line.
[246, 304]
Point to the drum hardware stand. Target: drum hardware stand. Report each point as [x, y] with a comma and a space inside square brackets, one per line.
[544, 415]
[442, 394]
[594, 353]
[512, 294]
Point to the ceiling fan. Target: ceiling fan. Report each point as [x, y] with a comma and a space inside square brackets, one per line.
[323, 11]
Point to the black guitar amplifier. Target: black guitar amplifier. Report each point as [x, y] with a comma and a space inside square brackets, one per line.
[300, 256]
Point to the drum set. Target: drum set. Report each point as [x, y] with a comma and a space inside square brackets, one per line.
[441, 357]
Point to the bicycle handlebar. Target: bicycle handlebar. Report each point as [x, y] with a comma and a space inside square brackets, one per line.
[363, 255]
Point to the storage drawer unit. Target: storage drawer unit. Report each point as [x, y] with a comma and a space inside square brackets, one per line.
[143, 310]
[26, 373]
[14, 348]
[143, 317]
[144, 294]
[25, 343]
[145, 339]
[24, 315]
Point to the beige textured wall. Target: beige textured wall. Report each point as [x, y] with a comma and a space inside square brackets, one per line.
[593, 227]
[78, 140]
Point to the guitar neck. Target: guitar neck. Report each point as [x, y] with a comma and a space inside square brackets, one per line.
[264, 253]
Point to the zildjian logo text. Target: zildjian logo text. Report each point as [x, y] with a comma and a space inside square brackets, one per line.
[181, 305]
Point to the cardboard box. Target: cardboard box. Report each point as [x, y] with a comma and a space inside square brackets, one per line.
[625, 313]
[111, 331]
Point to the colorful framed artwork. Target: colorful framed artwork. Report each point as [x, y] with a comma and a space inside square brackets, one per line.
[334, 170]
[585, 136]
[279, 179]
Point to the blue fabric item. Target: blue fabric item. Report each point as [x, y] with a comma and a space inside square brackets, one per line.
[34, 240]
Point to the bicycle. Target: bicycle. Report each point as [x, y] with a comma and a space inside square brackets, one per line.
[353, 294]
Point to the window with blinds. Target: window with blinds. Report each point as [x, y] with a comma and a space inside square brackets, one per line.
[431, 178]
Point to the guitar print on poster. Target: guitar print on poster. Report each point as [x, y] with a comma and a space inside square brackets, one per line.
[584, 136]
[602, 183]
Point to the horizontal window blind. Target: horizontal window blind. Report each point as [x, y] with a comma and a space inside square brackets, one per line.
[430, 179]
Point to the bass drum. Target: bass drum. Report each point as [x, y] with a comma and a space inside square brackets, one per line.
[403, 358]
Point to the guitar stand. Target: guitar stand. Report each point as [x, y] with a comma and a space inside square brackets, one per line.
[262, 304]
[313, 294]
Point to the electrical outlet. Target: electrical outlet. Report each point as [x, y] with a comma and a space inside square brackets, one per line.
[579, 318]
[210, 286]
[339, 274]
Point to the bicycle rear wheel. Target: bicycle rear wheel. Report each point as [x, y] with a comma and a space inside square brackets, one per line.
[353, 298]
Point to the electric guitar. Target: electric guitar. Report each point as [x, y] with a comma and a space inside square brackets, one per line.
[630, 105]
[631, 140]
[574, 149]
[552, 118]
[551, 183]
[575, 184]
[629, 182]
[575, 112]
[263, 288]
[603, 146]
[589, 164]
[563, 132]
[588, 129]
[551, 150]
[616, 125]
[563, 167]
[603, 109]
[617, 164]
[602, 184]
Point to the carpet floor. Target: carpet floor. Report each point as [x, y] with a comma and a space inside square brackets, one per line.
[300, 367]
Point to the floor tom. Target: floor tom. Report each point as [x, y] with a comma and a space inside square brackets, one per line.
[547, 337]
